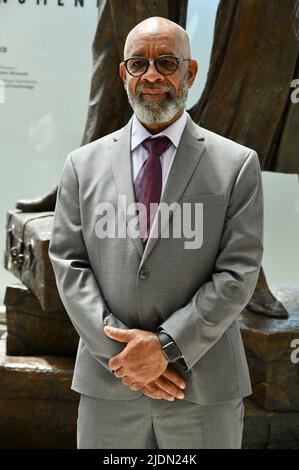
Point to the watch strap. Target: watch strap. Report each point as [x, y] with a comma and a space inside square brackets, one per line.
[169, 347]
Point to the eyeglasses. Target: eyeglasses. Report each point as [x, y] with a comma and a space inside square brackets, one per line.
[165, 64]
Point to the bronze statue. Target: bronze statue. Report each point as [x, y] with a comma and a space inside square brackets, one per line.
[246, 97]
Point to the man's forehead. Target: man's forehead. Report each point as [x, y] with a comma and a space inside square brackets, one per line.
[163, 44]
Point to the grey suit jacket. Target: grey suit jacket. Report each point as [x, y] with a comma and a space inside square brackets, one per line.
[195, 295]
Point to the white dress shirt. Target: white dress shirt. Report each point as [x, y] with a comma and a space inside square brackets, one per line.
[139, 154]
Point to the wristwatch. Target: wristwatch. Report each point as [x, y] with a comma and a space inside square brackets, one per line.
[169, 348]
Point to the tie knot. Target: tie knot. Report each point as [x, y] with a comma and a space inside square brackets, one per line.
[156, 146]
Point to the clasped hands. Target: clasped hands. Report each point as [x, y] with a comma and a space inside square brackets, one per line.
[141, 365]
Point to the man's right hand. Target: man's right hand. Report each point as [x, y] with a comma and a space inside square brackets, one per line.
[167, 386]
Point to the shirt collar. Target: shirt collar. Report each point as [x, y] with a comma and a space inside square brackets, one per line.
[173, 132]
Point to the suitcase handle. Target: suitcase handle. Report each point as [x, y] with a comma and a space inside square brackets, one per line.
[17, 252]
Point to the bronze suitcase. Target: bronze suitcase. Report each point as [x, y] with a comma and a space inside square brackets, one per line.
[26, 255]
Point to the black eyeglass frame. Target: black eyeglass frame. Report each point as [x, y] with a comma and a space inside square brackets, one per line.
[178, 60]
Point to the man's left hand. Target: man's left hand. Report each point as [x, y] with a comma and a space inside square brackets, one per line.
[141, 361]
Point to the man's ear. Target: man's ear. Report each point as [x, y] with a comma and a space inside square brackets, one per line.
[192, 72]
[123, 74]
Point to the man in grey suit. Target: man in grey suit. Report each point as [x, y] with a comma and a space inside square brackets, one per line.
[160, 363]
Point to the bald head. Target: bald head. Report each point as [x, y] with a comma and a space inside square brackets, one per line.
[157, 26]
[157, 71]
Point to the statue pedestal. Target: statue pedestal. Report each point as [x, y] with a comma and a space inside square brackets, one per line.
[33, 331]
[271, 357]
[272, 411]
[268, 343]
[38, 410]
[271, 417]
[269, 430]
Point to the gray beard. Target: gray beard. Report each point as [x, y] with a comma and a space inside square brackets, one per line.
[158, 111]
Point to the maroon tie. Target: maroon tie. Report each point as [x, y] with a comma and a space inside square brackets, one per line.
[148, 183]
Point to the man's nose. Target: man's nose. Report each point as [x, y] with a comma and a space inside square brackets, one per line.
[152, 74]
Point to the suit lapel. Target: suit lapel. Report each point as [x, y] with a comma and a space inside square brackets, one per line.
[120, 151]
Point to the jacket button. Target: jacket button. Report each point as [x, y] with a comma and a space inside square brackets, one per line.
[144, 273]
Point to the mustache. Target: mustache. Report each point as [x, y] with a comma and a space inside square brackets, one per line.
[165, 88]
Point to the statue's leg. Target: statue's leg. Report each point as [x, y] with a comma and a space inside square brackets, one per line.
[109, 109]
